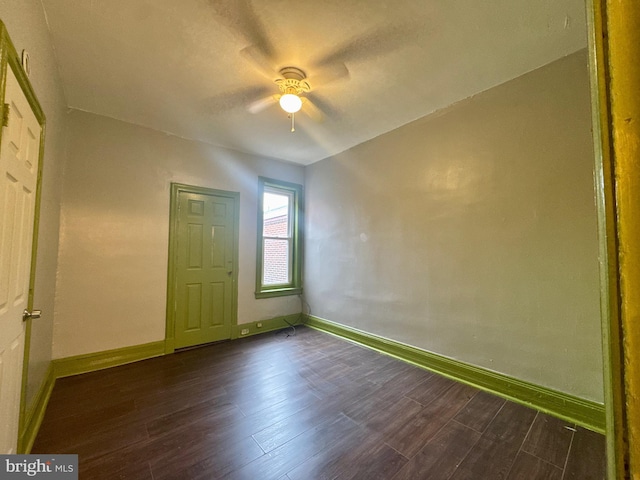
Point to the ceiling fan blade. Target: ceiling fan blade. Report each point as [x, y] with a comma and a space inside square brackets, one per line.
[318, 109]
[329, 74]
[259, 105]
[262, 63]
[311, 110]
[372, 43]
[229, 100]
[240, 17]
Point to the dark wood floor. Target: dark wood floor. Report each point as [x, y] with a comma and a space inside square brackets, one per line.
[303, 407]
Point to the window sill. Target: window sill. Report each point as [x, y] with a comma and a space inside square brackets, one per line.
[279, 292]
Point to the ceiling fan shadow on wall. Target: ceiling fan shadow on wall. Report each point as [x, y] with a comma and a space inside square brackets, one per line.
[293, 87]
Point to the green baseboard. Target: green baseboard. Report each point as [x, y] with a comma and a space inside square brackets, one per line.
[65, 367]
[582, 412]
[35, 413]
[269, 325]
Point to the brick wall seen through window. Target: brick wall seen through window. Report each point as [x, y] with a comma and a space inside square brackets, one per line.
[276, 250]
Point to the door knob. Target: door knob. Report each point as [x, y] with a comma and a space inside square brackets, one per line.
[26, 315]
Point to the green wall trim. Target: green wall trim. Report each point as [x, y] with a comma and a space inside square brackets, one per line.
[297, 214]
[65, 367]
[582, 412]
[270, 325]
[35, 414]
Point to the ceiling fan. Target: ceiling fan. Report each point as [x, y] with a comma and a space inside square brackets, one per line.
[294, 87]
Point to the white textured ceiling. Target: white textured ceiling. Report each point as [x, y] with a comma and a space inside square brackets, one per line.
[176, 66]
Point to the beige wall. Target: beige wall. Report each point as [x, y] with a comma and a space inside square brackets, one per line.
[27, 28]
[112, 277]
[471, 233]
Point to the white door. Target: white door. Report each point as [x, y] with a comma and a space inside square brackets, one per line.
[19, 156]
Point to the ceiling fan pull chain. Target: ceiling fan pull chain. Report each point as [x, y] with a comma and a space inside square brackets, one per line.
[293, 125]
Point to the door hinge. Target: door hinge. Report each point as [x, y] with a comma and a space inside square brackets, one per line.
[5, 115]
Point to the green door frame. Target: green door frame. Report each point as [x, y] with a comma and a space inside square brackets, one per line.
[176, 189]
[614, 47]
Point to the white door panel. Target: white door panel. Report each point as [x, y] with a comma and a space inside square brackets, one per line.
[19, 156]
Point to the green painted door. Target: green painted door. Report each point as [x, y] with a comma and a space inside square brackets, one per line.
[204, 268]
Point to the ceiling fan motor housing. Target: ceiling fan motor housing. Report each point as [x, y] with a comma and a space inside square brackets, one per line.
[293, 81]
[293, 73]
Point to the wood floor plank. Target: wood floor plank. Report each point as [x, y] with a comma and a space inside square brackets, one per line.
[85, 396]
[529, 467]
[408, 439]
[392, 416]
[434, 387]
[214, 416]
[440, 457]
[261, 379]
[549, 439]
[405, 380]
[587, 460]
[495, 452]
[169, 400]
[209, 461]
[285, 458]
[488, 459]
[511, 424]
[399, 375]
[291, 426]
[318, 382]
[263, 400]
[133, 470]
[258, 421]
[377, 462]
[64, 431]
[93, 444]
[362, 454]
[368, 406]
[186, 448]
[480, 411]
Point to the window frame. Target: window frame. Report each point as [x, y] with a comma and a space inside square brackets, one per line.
[296, 219]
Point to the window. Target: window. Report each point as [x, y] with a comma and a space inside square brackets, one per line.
[279, 269]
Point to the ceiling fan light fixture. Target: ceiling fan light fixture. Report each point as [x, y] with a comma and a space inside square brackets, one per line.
[290, 103]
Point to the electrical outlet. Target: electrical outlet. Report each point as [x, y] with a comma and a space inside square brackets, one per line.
[244, 331]
[259, 325]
